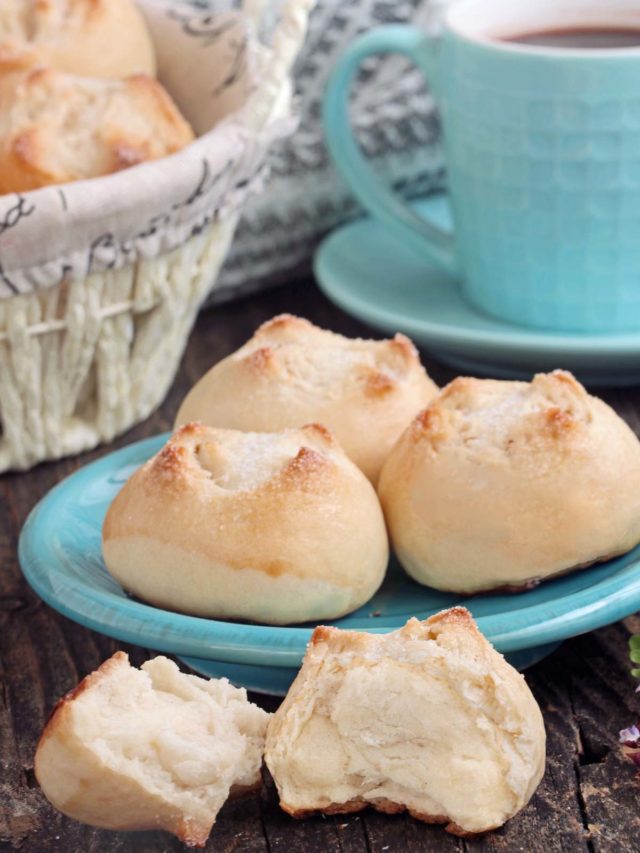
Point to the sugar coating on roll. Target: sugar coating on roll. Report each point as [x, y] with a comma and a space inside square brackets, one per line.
[150, 748]
[270, 527]
[503, 484]
[56, 128]
[92, 38]
[429, 719]
[291, 373]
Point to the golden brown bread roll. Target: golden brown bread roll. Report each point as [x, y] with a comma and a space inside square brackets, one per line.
[150, 748]
[429, 718]
[92, 38]
[291, 373]
[506, 483]
[272, 527]
[56, 127]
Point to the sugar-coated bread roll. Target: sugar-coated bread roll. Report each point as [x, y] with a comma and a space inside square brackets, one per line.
[93, 38]
[291, 373]
[271, 527]
[56, 127]
[150, 748]
[428, 719]
[502, 484]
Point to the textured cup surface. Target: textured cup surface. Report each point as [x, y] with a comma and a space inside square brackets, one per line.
[544, 173]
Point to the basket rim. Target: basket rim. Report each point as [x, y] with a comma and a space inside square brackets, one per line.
[151, 169]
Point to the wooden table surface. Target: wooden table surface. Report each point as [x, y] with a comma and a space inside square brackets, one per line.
[588, 800]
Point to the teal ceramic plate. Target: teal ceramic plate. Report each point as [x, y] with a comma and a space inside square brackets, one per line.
[61, 558]
[370, 274]
[276, 680]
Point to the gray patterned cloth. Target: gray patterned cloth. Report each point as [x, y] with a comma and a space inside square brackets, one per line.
[397, 126]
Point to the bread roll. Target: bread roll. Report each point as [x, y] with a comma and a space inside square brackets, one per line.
[429, 719]
[92, 38]
[150, 749]
[502, 484]
[291, 373]
[271, 527]
[56, 127]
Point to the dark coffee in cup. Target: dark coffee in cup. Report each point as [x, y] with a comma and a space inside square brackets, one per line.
[603, 38]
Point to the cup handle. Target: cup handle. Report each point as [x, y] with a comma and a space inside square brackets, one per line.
[425, 237]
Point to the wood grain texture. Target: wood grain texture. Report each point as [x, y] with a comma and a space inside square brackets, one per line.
[588, 800]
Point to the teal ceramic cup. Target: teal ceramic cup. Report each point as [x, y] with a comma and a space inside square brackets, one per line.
[542, 146]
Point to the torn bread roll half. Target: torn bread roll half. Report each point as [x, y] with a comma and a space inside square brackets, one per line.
[292, 373]
[269, 527]
[93, 38]
[429, 719]
[503, 484]
[150, 748]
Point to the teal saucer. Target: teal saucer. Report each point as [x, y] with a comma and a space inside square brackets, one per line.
[60, 555]
[370, 274]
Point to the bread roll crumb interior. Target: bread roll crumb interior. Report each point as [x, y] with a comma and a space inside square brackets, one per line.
[150, 748]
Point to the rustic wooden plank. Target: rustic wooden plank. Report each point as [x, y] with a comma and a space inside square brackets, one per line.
[603, 702]
[389, 833]
[335, 834]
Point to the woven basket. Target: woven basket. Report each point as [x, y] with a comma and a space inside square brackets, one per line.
[91, 338]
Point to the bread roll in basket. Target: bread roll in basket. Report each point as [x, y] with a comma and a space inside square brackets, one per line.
[101, 279]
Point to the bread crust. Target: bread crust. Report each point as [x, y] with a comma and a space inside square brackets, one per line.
[274, 528]
[498, 486]
[386, 807]
[292, 372]
[533, 583]
[82, 781]
[56, 719]
[428, 719]
[51, 757]
[91, 38]
[56, 128]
